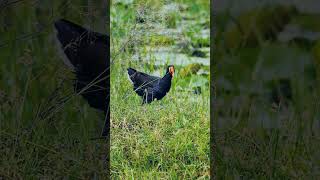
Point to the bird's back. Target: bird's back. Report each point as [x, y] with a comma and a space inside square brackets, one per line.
[142, 80]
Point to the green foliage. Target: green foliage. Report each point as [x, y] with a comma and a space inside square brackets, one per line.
[161, 41]
[307, 21]
[190, 69]
[171, 20]
[258, 25]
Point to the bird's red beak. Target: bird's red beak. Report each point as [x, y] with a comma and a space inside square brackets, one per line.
[171, 71]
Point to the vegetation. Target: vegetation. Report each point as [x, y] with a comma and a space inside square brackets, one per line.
[46, 129]
[167, 139]
[266, 122]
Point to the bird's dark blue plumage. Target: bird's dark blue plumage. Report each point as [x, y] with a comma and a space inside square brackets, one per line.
[151, 87]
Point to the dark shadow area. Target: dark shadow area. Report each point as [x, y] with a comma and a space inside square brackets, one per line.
[265, 93]
[46, 127]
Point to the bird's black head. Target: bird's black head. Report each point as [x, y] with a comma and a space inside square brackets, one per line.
[170, 70]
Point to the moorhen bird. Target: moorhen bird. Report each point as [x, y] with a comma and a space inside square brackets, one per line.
[87, 54]
[151, 87]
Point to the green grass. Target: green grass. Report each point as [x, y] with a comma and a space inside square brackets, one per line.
[167, 139]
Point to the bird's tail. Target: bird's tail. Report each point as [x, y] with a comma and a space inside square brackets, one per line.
[131, 71]
[68, 31]
[68, 35]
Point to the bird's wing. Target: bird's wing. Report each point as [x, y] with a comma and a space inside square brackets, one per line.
[142, 80]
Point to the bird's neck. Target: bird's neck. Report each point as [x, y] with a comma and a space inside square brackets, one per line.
[167, 76]
[165, 82]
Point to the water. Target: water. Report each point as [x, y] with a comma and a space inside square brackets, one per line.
[168, 55]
